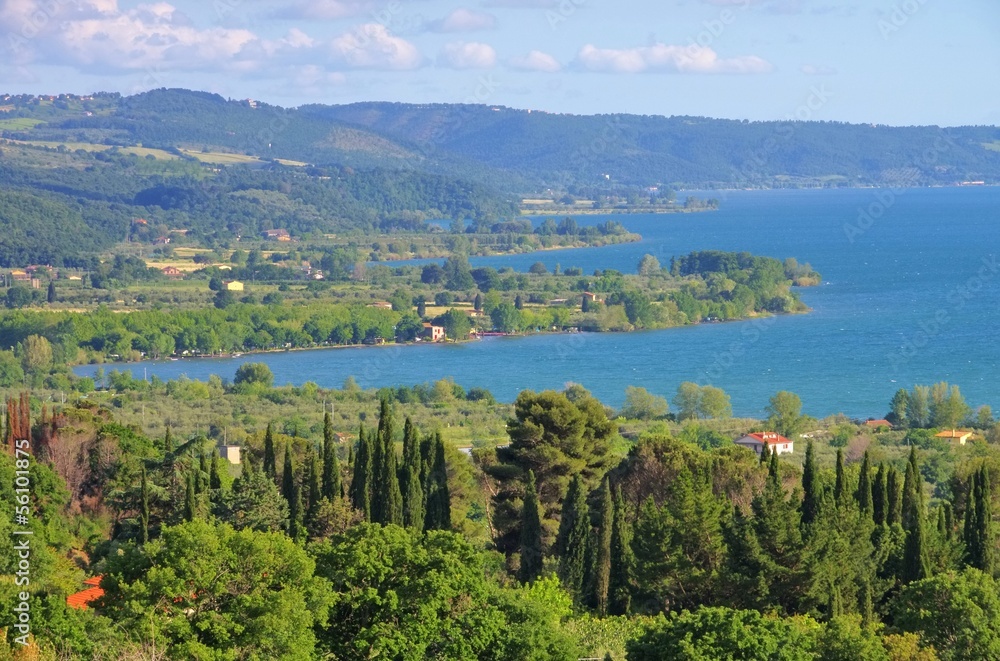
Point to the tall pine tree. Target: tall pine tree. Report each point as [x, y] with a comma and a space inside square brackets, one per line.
[893, 490]
[531, 533]
[214, 475]
[571, 541]
[840, 484]
[288, 477]
[313, 487]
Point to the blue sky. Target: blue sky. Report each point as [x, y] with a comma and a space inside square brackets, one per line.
[892, 62]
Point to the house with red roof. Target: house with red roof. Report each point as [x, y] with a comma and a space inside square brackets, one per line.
[875, 424]
[775, 442]
[81, 600]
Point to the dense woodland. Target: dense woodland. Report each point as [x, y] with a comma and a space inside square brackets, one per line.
[566, 540]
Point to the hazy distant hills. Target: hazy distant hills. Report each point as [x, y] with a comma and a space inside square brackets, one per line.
[523, 151]
[686, 151]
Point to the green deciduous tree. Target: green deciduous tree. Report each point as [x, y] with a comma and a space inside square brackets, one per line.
[207, 591]
[785, 413]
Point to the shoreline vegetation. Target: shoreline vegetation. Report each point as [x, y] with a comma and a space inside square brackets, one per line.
[431, 302]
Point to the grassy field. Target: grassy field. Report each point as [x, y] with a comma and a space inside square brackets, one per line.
[19, 123]
[219, 158]
[141, 152]
[992, 146]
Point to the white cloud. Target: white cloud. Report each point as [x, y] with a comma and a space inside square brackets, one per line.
[468, 55]
[464, 20]
[536, 60]
[372, 46]
[667, 58]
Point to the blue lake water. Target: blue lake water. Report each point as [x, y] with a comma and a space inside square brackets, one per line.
[910, 295]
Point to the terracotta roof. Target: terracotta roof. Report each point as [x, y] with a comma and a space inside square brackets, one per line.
[81, 600]
[769, 437]
[952, 433]
[93, 580]
[878, 423]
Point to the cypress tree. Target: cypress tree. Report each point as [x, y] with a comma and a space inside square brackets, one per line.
[387, 500]
[51, 293]
[203, 474]
[409, 479]
[864, 492]
[531, 533]
[916, 565]
[314, 480]
[571, 541]
[144, 508]
[332, 483]
[360, 491]
[288, 477]
[893, 511]
[622, 561]
[812, 492]
[839, 486]
[970, 528]
[168, 459]
[190, 508]
[601, 577]
[765, 456]
[438, 511]
[214, 477]
[296, 530]
[880, 497]
[270, 466]
[984, 517]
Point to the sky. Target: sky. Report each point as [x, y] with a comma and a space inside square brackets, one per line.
[897, 62]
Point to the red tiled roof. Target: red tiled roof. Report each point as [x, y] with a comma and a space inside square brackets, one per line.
[878, 423]
[769, 437]
[81, 600]
[93, 580]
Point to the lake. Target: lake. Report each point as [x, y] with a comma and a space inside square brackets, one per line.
[910, 295]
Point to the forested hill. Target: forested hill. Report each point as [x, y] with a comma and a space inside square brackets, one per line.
[684, 151]
[520, 150]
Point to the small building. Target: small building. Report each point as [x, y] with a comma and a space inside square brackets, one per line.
[343, 437]
[172, 272]
[276, 235]
[19, 276]
[230, 453]
[161, 240]
[232, 285]
[875, 424]
[960, 435]
[775, 442]
[381, 305]
[82, 600]
[592, 297]
[433, 333]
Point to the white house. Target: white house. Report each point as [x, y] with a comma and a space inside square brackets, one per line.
[756, 441]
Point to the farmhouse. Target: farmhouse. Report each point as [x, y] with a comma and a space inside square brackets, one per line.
[775, 442]
[959, 435]
[232, 285]
[433, 333]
